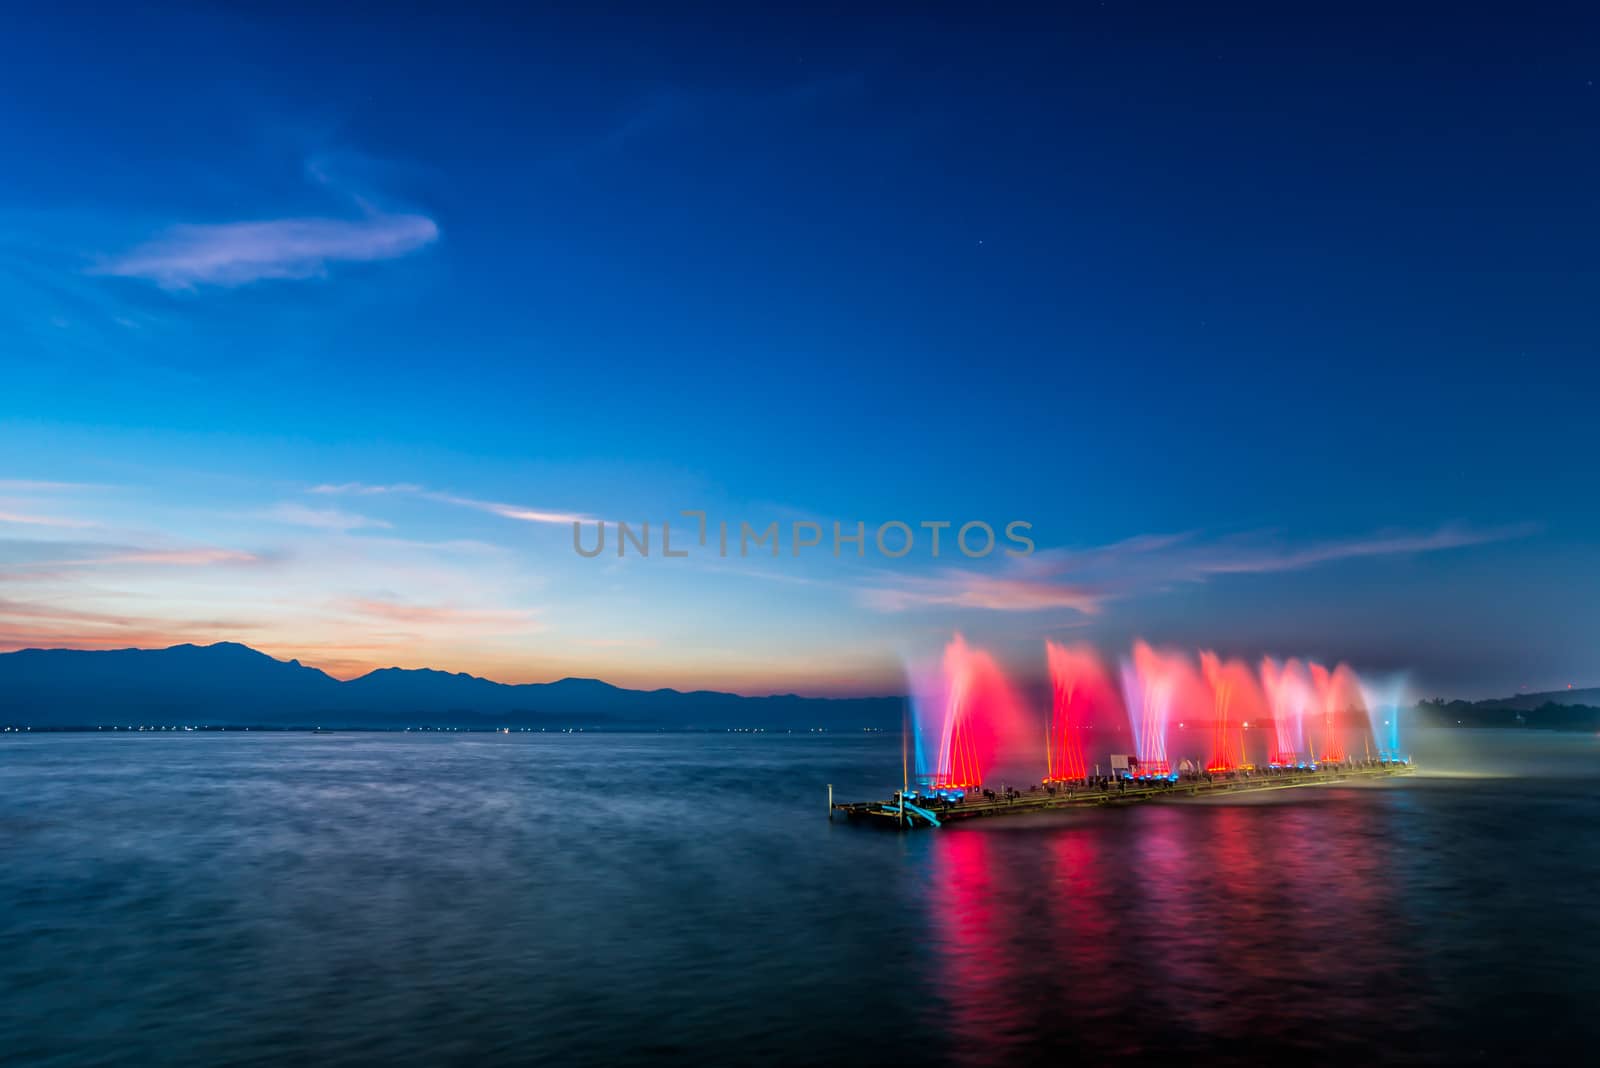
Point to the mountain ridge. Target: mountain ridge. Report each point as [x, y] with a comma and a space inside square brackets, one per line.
[227, 682]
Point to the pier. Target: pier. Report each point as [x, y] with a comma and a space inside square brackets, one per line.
[935, 808]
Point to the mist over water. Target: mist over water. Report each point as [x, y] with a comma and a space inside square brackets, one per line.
[1532, 757]
[618, 899]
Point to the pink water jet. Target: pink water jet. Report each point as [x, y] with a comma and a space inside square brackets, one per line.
[982, 716]
[1341, 710]
[1154, 684]
[1082, 694]
[1289, 695]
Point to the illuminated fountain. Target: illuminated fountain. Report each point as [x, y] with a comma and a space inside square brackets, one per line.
[1324, 714]
[1383, 700]
[978, 717]
[1236, 700]
[967, 726]
[1288, 691]
[1343, 711]
[967, 722]
[959, 763]
[1081, 693]
[1153, 685]
[1391, 736]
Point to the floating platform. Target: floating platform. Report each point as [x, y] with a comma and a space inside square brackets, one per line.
[929, 809]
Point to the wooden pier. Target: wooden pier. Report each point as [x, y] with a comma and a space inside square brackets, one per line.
[916, 811]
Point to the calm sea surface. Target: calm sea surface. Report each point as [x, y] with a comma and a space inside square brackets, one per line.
[615, 899]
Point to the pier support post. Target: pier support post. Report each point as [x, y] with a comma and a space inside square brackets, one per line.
[830, 802]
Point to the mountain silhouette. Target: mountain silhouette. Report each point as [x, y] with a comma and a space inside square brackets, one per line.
[231, 684]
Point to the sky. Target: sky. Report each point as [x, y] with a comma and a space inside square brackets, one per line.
[1277, 326]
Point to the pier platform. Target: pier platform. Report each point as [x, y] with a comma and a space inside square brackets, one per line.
[928, 809]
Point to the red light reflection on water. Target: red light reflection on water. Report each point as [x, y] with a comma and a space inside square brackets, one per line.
[1147, 931]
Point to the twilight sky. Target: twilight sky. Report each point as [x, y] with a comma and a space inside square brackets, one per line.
[1278, 327]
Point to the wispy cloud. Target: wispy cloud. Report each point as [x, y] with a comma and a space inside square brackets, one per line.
[30, 485]
[521, 513]
[44, 520]
[234, 254]
[25, 624]
[364, 489]
[38, 503]
[511, 619]
[510, 511]
[179, 557]
[996, 593]
[32, 556]
[1226, 560]
[322, 518]
[1084, 580]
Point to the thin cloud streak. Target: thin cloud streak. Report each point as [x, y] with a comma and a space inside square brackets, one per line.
[323, 518]
[25, 624]
[511, 511]
[235, 254]
[44, 520]
[1448, 537]
[961, 589]
[34, 556]
[30, 485]
[1084, 580]
[364, 489]
[440, 615]
[180, 557]
[519, 512]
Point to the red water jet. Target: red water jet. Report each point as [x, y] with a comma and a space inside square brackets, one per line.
[1340, 707]
[1081, 690]
[1235, 701]
[981, 713]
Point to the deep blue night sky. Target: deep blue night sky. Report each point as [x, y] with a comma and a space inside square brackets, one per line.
[1277, 324]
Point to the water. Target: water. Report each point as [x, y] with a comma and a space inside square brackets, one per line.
[606, 899]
